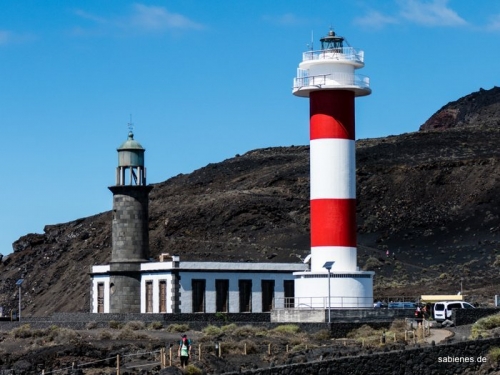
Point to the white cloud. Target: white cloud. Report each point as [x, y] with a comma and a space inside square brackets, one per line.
[142, 19]
[158, 18]
[430, 13]
[9, 37]
[494, 23]
[375, 19]
[287, 19]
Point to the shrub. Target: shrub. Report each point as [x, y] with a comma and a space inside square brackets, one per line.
[247, 331]
[484, 324]
[372, 263]
[106, 335]
[251, 347]
[126, 334]
[193, 370]
[22, 332]
[211, 330]
[177, 328]
[322, 335]
[154, 326]
[63, 336]
[91, 325]
[286, 329]
[134, 325]
[494, 354]
[113, 324]
[229, 328]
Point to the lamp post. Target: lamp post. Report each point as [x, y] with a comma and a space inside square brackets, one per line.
[328, 266]
[18, 283]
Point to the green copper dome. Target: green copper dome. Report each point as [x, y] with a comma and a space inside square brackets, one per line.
[130, 144]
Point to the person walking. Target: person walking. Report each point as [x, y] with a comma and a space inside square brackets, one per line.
[184, 351]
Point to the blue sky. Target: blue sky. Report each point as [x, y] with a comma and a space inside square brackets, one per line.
[204, 81]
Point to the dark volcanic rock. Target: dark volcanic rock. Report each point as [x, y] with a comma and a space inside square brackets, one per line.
[481, 108]
[432, 199]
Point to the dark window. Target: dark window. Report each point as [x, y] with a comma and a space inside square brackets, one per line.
[198, 287]
[100, 297]
[267, 295]
[222, 292]
[245, 287]
[289, 286]
[163, 296]
[149, 296]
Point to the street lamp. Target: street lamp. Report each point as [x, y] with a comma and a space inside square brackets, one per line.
[18, 283]
[328, 266]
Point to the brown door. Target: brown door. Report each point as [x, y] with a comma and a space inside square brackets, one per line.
[100, 298]
[163, 296]
[149, 296]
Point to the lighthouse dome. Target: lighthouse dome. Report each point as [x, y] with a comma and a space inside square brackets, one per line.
[130, 153]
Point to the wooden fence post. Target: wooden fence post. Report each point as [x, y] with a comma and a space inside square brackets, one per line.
[269, 349]
[199, 352]
[170, 357]
[245, 348]
[118, 364]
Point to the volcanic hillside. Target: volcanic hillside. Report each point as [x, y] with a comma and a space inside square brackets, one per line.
[431, 198]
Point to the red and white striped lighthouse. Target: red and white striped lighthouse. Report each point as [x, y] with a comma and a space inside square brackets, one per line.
[327, 77]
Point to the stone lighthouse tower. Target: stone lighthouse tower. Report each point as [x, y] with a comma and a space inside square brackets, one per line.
[130, 228]
[327, 77]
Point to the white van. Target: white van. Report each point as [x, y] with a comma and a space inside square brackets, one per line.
[442, 310]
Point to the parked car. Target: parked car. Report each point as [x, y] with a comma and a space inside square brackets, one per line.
[442, 310]
[402, 305]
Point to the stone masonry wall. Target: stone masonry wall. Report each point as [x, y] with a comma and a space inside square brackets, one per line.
[436, 360]
[470, 316]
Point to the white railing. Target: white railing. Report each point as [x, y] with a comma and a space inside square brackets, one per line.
[345, 53]
[311, 303]
[334, 79]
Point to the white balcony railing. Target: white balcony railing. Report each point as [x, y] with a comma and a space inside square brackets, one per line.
[335, 79]
[308, 303]
[346, 53]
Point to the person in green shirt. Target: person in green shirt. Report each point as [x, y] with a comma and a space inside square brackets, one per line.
[184, 351]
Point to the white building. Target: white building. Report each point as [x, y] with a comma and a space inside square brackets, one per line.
[174, 286]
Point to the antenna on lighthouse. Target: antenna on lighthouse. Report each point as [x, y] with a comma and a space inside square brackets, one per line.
[130, 125]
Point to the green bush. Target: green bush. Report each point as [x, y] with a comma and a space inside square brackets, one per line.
[248, 331]
[494, 354]
[135, 325]
[113, 324]
[193, 370]
[229, 328]
[22, 332]
[322, 335]
[126, 334]
[91, 325]
[286, 329]
[211, 330]
[483, 325]
[155, 326]
[177, 328]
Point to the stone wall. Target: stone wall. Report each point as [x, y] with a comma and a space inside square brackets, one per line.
[79, 321]
[470, 316]
[441, 359]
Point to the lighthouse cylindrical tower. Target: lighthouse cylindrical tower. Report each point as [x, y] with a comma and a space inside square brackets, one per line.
[130, 237]
[327, 77]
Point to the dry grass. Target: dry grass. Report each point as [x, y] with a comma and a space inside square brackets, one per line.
[484, 325]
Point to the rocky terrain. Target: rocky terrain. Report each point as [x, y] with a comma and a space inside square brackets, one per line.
[432, 198]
